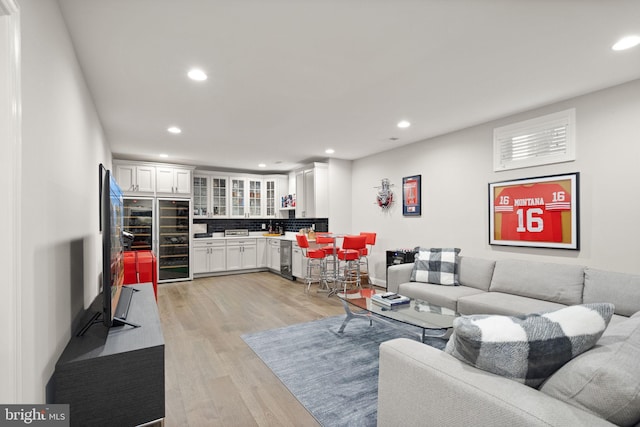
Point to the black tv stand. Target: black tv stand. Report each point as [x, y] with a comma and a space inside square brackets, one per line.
[121, 322]
[121, 313]
[114, 376]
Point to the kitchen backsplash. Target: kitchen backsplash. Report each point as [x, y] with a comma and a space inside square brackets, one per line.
[291, 224]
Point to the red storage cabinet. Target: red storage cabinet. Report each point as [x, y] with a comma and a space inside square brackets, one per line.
[130, 269]
[140, 267]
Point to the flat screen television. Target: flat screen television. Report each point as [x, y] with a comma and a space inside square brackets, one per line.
[116, 298]
[112, 247]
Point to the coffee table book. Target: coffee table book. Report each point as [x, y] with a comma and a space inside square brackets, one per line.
[390, 299]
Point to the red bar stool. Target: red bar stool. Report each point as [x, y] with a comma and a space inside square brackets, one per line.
[315, 259]
[327, 244]
[364, 253]
[350, 254]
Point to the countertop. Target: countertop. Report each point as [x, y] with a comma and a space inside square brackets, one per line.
[252, 235]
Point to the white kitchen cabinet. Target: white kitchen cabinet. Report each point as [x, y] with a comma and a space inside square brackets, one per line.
[242, 254]
[297, 262]
[274, 187]
[209, 257]
[219, 196]
[135, 179]
[261, 253]
[172, 180]
[273, 254]
[237, 196]
[246, 197]
[312, 191]
[201, 197]
[210, 196]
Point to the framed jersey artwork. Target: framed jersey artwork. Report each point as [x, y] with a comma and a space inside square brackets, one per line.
[412, 195]
[535, 212]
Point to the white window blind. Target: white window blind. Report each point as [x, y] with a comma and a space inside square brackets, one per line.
[540, 141]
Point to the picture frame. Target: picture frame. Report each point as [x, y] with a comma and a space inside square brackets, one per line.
[412, 195]
[540, 212]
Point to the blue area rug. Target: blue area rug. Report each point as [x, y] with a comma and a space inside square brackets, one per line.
[334, 375]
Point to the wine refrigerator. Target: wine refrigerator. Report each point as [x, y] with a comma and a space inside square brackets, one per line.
[173, 239]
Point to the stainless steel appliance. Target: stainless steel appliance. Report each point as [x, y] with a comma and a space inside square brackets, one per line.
[138, 220]
[237, 232]
[173, 239]
[286, 258]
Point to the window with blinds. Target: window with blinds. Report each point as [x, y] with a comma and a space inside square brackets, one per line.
[540, 141]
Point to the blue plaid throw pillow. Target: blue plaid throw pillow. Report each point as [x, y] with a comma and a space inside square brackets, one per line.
[530, 348]
[436, 265]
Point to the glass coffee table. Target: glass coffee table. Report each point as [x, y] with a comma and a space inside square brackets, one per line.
[419, 313]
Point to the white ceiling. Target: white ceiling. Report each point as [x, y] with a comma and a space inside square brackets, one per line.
[290, 78]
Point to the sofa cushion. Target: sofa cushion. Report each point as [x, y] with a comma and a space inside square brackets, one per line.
[604, 380]
[505, 304]
[620, 289]
[436, 265]
[559, 283]
[528, 349]
[476, 272]
[444, 296]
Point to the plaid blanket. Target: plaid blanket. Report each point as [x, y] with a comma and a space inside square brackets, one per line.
[530, 348]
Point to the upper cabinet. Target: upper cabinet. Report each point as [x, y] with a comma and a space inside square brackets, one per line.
[236, 196]
[173, 180]
[210, 196]
[246, 197]
[274, 186]
[312, 191]
[137, 178]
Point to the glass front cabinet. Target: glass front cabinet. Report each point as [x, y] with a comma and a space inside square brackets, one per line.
[210, 195]
[237, 196]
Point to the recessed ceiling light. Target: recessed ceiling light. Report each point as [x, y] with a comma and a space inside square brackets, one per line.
[163, 155]
[174, 129]
[329, 151]
[626, 43]
[197, 75]
[403, 124]
[262, 165]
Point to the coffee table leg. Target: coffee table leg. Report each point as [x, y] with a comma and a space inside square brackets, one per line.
[351, 315]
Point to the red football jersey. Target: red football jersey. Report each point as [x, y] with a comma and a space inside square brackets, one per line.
[532, 212]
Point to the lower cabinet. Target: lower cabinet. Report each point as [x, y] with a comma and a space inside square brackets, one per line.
[297, 261]
[273, 254]
[262, 253]
[242, 254]
[232, 254]
[209, 257]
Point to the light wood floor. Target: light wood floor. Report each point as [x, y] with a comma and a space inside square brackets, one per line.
[212, 377]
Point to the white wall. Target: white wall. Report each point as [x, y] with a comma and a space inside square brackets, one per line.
[63, 144]
[456, 169]
[340, 196]
[10, 191]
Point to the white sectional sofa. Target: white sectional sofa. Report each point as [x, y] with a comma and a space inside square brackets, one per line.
[420, 385]
[513, 287]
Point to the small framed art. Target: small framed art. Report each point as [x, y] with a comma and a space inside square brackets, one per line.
[411, 196]
[535, 212]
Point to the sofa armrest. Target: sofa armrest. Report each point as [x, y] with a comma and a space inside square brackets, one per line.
[400, 273]
[420, 385]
